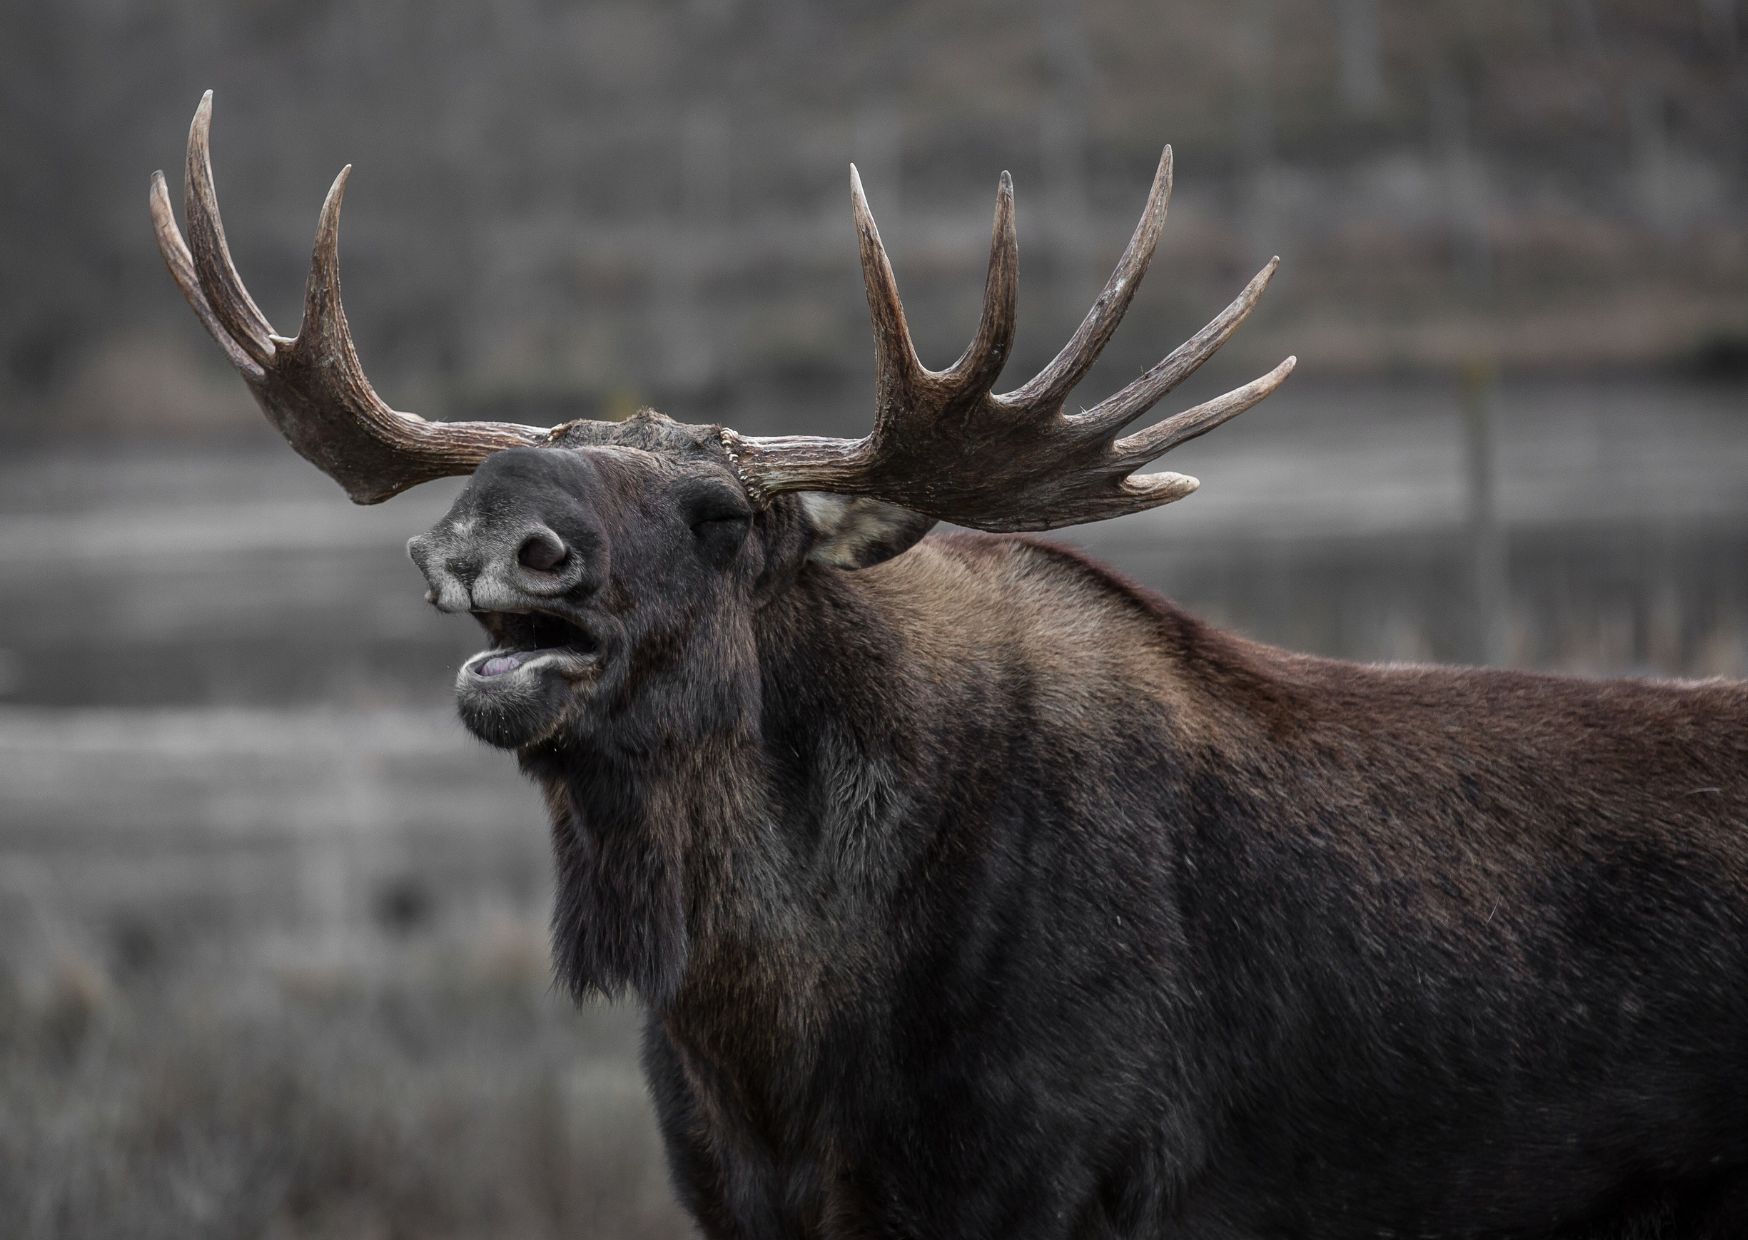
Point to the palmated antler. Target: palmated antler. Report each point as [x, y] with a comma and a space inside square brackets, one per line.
[312, 387]
[945, 445]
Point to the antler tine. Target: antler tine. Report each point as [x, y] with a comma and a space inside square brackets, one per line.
[897, 370]
[1135, 450]
[980, 365]
[1053, 384]
[181, 264]
[312, 388]
[324, 330]
[230, 301]
[1139, 395]
[349, 432]
[1144, 491]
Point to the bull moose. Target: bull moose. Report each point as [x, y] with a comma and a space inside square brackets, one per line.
[972, 890]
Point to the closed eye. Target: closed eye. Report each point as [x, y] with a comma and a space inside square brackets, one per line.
[714, 506]
[719, 519]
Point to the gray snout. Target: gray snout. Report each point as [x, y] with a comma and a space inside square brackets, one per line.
[469, 569]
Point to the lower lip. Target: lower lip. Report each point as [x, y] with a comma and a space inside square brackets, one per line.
[500, 665]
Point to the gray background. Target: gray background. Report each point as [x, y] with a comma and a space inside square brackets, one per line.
[272, 954]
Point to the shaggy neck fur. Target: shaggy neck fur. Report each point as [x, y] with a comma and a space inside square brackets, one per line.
[715, 862]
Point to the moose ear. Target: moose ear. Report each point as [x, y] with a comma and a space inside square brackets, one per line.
[851, 531]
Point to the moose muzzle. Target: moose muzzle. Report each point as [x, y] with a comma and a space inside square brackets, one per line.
[470, 568]
[529, 589]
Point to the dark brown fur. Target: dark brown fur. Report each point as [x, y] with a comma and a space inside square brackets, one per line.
[1014, 901]
[973, 892]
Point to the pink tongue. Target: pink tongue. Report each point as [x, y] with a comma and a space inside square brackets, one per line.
[498, 666]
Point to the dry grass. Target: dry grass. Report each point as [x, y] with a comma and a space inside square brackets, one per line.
[436, 1090]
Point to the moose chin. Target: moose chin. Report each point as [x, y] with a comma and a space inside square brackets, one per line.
[971, 890]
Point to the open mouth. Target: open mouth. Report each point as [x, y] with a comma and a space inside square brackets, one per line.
[521, 641]
[540, 669]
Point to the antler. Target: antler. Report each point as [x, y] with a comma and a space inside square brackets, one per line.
[945, 445]
[312, 387]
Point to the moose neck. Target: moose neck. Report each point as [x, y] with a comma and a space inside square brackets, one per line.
[717, 859]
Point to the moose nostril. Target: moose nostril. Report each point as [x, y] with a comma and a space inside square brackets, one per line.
[542, 551]
[464, 569]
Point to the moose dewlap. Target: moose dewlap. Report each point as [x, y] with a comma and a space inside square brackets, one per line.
[973, 891]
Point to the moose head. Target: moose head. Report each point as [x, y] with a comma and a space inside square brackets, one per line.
[619, 569]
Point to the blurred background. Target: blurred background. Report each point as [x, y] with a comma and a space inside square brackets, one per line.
[272, 928]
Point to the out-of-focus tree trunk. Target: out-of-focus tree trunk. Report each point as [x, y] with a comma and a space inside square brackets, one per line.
[1361, 54]
[1063, 145]
[1258, 149]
